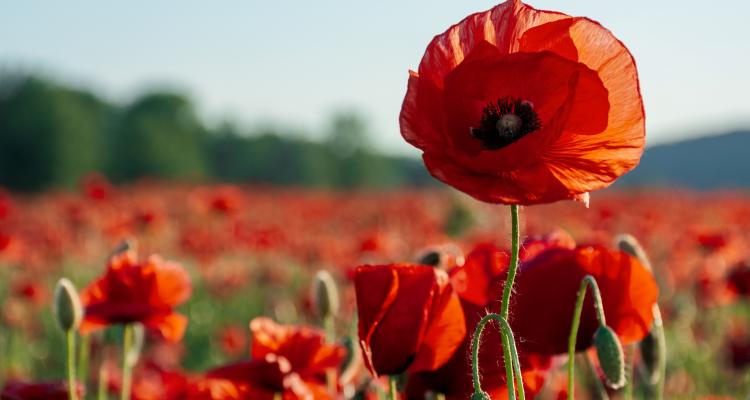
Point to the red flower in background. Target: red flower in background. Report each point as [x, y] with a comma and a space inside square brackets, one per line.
[409, 317]
[132, 291]
[520, 106]
[291, 360]
[37, 391]
[546, 289]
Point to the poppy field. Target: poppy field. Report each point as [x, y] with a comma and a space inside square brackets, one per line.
[245, 254]
[517, 273]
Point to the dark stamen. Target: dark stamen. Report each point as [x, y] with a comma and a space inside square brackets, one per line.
[505, 121]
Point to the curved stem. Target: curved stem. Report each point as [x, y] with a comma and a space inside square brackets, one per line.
[127, 338]
[510, 367]
[70, 338]
[513, 267]
[587, 281]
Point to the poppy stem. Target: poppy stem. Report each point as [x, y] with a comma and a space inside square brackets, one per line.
[70, 338]
[513, 267]
[511, 363]
[508, 287]
[127, 338]
[393, 393]
[587, 281]
[101, 390]
[83, 358]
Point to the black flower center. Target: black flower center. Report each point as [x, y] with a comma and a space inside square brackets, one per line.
[505, 121]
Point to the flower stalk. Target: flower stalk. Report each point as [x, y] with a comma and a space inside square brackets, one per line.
[586, 282]
[127, 370]
[511, 363]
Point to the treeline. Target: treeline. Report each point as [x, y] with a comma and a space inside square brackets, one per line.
[51, 135]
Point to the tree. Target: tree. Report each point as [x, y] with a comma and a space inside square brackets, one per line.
[49, 135]
[159, 135]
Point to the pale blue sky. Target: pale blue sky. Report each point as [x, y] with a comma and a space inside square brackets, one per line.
[296, 62]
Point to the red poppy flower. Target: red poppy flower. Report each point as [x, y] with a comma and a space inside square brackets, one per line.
[520, 106]
[473, 281]
[546, 290]
[37, 391]
[304, 347]
[132, 291]
[287, 359]
[409, 317]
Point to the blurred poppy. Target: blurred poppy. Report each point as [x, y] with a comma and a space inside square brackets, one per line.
[409, 317]
[37, 391]
[304, 347]
[473, 282]
[96, 187]
[547, 285]
[520, 106]
[233, 340]
[287, 359]
[738, 279]
[132, 291]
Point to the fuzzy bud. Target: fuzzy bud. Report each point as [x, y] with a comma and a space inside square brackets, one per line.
[611, 357]
[325, 295]
[67, 305]
[480, 396]
[654, 350]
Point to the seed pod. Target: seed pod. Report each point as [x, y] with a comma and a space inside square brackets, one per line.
[480, 396]
[654, 350]
[325, 295]
[67, 305]
[611, 357]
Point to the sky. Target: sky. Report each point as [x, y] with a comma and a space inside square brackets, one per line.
[294, 63]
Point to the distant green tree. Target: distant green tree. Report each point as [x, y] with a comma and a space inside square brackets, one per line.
[49, 135]
[159, 135]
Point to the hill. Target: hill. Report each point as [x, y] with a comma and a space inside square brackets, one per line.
[710, 162]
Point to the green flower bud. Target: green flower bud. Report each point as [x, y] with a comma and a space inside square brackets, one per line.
[654, 350]
[480, 396]
[325, 295]
[629, 244]
[67, 305]
[611, 357]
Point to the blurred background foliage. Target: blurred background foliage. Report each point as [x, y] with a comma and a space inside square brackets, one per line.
[51, 135]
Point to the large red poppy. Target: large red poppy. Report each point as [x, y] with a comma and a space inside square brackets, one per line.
[287, 359]
[546, 290]
[520, 106]
[409, 317]
[132, 291]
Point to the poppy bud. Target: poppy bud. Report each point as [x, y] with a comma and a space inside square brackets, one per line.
[67, 305]
[128, 244]
[430, 257]
[611, 357]
[480, 396]
[325, 295]
[629, 244]
[654, 350]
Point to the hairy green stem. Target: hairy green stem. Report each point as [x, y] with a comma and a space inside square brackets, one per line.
[83, 358]
[70, 338]
[587, 281]
[511, 363]
[393, 380]
[513, 267]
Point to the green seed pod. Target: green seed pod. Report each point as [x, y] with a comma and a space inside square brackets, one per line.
[611, 357]
[480, 396]
[67, 305]
[654, 350]
[325, 295]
